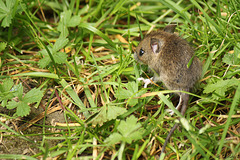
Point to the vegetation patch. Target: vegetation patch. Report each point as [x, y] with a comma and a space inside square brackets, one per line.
[69, 88]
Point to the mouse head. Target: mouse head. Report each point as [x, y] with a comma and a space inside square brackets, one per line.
[150, 47]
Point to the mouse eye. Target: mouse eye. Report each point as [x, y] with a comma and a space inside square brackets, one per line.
[141, 52]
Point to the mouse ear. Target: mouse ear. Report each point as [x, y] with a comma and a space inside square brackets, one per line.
[170, 28]
[155, 45]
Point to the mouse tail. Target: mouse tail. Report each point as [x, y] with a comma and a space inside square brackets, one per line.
[168, 137]
[184, 99]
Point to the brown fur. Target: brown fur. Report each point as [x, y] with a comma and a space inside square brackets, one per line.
[168, 55]
[171, 62]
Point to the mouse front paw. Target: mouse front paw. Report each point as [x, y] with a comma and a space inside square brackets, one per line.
[171, 112]
[145, 81]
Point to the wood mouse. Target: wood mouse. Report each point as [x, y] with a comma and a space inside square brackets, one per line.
[168, 56]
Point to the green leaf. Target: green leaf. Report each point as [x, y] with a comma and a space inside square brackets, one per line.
[44, 61]
[74, 21]
[66, 20]
[18, 91]
[130, 92]
[12, 105]
[44, 51]
[5, 91]
[65, 17]
[129, 127]
[129, 130]
[6, 12]
[10, 3]
[123, 93]
[6, 85]
[220, 87]
[3, 101]
[233, 59]
[35, 95]
[228, 58]
[113, 138]
[104, 115]
[3, 7]
[59, 44]
[2, 45]
[63, 29]
[100, 118]
[60, 57]
[23, 109]
[114, 111]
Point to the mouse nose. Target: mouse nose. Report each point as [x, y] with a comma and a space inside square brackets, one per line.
[134, 51]
[135, 56]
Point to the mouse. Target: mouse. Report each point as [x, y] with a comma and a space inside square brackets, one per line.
[168, 55]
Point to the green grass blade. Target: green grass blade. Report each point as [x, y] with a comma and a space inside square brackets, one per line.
[16, 156]
[234, 106]
[117, 6]
[89, 97]
[169, 104]
[98, 32]
[74, 96]
[178, 9]
[38, 74]
[208, 19]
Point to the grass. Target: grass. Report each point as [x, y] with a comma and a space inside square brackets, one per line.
[77, 57]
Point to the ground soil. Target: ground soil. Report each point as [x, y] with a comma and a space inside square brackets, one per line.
[11, 143]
